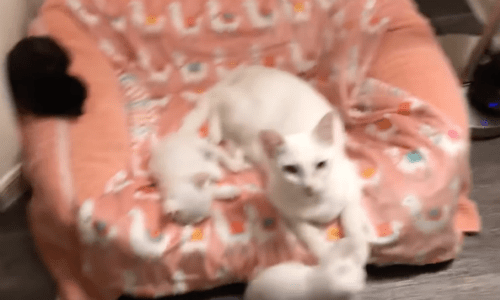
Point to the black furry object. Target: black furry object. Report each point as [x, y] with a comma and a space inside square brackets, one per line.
[37, 69]
[56, 95]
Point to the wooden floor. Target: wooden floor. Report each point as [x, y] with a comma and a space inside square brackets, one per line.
[474, 275]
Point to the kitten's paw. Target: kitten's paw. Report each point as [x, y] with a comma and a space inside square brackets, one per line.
[186, 215]
[185, 219]
[349, 249]
[239, 154]
[343, 268]
[231, 147]
[227, 192]
[246, 166]
[370, 232]
[238, 165]
[347, 278]
[169, 207]
[241, 157]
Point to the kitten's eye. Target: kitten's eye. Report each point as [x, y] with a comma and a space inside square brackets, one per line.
[291, 169]
[321, 165]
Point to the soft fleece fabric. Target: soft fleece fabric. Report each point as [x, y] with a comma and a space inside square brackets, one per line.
[95, 216]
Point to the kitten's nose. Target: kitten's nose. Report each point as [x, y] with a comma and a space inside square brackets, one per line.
[309, 191]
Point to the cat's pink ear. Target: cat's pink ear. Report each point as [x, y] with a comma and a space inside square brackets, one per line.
[200, 179]
[270, 140]
[324, 130]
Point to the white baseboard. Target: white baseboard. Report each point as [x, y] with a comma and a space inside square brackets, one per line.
[12, 187]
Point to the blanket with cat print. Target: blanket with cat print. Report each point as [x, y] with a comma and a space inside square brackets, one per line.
[96, 215]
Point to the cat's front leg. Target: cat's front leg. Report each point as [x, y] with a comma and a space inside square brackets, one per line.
[311, 235]
[344, 269]
[237, 152]
[187, 213]
[170, 206]
[214, 128]
[226, 192]
[240, 156]
[234, 164]
[356, 225]
[240, 159]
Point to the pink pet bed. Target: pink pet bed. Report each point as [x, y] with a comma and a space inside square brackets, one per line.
[95, 213]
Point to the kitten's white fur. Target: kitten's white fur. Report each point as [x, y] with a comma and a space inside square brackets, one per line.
[337, 276]
[186, 168]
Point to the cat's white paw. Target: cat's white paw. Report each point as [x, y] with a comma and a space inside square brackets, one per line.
[347, 278]
[227, 192]
[370, 232]
[186, 214]
[346, 249]
[240, 156]
[169, 207]
[231, 148]
[246, 166]
[185, 218]
[188, 217]
[345, 267]
[238, 164]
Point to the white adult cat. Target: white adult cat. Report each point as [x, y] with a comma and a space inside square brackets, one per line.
[285, 125]
[186, 168]
[298, 138]
[256, 98]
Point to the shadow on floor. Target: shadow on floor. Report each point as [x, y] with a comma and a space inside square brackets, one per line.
[403, 271]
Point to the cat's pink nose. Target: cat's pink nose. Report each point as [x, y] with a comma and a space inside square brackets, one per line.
[309, 191]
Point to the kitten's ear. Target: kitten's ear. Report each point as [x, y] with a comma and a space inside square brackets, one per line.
[200, 179]
[324, 130]
[270, 140]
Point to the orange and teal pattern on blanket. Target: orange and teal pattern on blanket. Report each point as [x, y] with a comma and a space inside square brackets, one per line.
[414, 157]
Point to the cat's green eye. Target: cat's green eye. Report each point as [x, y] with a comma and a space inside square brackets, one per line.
[291, 169]
[321, 165]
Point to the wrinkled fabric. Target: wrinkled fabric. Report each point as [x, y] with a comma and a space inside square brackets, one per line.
[96, 214]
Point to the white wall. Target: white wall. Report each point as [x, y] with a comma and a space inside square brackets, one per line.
[14, 19]
[12, 28]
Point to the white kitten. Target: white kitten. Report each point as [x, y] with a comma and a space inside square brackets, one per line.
[339, 275]
[186, 168]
